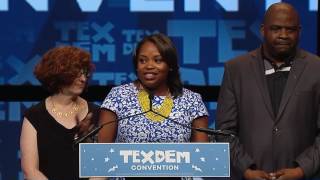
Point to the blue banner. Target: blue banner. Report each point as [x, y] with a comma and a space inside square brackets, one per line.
[155, 160]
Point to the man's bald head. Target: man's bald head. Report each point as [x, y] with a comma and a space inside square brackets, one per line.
[281, 7]
[280, 31]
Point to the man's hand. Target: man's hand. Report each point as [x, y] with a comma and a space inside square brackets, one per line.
[256, 174]
[289, 174]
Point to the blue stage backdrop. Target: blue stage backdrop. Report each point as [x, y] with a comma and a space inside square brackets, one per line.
[206, 33]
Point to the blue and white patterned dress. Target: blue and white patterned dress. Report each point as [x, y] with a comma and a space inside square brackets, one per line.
[123, 100]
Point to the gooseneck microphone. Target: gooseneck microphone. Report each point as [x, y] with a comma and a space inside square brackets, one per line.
[97, 129]
[151, 96]
[205, 130]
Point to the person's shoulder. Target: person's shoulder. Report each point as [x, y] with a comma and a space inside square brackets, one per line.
[124, 87]
[123, 90]
[244, 58]
[308, 56]
[35, 111]
[36, 108]
[189, 94]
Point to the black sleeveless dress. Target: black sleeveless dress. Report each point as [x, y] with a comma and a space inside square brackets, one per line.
[58, 159]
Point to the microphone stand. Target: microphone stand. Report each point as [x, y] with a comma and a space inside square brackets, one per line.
[97, 129]
[208, 131]
[151, 96]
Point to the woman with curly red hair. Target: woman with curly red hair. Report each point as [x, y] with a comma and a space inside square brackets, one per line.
[49, 127]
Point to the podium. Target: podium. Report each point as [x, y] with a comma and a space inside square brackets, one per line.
[154, 160]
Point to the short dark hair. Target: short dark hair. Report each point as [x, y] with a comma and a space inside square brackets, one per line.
[169, 54]
[60, 66]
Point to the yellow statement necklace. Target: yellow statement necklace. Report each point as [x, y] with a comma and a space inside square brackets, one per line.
[67, 114]
[164, 109]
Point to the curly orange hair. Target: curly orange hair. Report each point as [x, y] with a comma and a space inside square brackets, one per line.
[60, 66]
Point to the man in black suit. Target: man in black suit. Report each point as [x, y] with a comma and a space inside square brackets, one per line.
[270, 99]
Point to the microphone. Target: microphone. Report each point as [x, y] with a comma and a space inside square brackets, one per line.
[97, 129]
[209, 131]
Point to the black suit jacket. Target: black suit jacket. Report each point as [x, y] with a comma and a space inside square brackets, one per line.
[263, 140]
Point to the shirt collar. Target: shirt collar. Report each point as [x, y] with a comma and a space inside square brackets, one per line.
[287, 62]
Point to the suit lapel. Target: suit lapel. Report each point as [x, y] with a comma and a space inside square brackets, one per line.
[294, 76]
[258, 70]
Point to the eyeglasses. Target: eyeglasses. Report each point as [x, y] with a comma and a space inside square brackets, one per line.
[84, 72]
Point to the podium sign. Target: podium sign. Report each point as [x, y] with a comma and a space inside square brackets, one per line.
[154, 159]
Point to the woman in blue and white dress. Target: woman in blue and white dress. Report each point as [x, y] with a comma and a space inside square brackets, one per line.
[177, 109]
